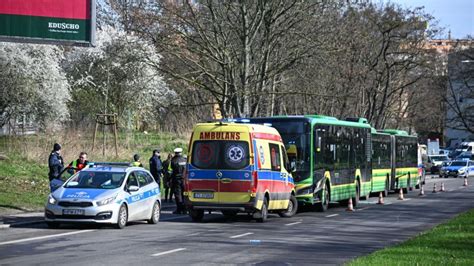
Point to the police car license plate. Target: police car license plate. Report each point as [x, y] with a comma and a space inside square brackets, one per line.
[203, 195]
[73, 212]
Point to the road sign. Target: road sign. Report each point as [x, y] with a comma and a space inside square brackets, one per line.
[68, 22]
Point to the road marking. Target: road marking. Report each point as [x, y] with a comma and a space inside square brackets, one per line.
[237, 236]
[168, 252]
[361, 209]
[332, 215]
[43, 237]
[389, 203]
[194, 234]
[293, 223]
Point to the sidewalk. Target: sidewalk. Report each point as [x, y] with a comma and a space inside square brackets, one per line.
[12, 218]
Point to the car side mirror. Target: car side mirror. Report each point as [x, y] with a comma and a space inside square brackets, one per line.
[292, 167]
[133, 188]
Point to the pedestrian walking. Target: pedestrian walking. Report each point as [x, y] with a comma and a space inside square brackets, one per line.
[178, 164]
[156, 167]
[167, 178]
[56, 166]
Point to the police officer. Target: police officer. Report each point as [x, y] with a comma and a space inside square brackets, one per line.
[136, 161]
[156, 166]
[56, 166]
[178, 164]
[167, 178]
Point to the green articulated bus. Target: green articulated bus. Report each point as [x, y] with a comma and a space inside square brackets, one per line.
[334, 160]
[331, 157]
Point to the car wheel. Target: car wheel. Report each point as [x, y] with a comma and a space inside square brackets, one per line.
[53, 225]
[122, 218]
[196, 215]
[292, 208]
[263, 213]
[155, 214]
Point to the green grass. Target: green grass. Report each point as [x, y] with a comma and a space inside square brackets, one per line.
[24, 180]
[451, 243]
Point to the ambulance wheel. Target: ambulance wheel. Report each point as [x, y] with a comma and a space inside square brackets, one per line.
[53, 225]
[229, 214]
[263, 213]
[292, 208]
[155, 214]
[196, 215]
[122, 217]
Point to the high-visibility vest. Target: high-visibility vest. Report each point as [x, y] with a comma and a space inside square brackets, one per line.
[136, 164]
[170, 170]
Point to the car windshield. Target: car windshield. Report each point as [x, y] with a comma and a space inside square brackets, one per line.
[439, 158]
[217, 154]
[98, 180]
[459, 163]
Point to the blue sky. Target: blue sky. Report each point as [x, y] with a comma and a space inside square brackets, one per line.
[454, 15]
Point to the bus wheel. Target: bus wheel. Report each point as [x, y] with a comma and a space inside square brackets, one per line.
[387, 188]
[196, 215]
[405, 189]
[292, 208]
[263, 213]
[324, 204]
[357, 196]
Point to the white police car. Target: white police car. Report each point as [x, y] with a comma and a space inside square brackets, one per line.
[105, 193]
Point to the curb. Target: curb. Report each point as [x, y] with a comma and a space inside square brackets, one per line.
[5, 226]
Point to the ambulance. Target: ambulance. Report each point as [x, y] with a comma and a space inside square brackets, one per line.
[238, 168]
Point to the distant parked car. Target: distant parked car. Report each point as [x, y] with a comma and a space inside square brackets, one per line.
[461, 168]
[435, 162]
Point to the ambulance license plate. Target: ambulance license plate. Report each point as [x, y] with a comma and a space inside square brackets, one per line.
[203, 195]
[73, 212]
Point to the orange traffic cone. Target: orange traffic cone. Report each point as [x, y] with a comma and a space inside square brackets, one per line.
[350, 206]
[380, 199]
[465, 182]
[434, 188]
[400, 194]
[442, 188]
[422, 191]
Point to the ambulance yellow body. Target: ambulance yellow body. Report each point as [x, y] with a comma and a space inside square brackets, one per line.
[236, 168]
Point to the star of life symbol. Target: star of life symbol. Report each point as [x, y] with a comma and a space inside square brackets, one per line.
[235, 153]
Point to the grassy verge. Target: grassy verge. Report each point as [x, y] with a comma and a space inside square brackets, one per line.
[451, 243]
[24, 173]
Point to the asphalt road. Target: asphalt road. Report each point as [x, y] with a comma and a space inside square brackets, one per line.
[333, 237]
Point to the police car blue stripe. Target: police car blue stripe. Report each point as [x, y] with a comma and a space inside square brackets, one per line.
[142, 196]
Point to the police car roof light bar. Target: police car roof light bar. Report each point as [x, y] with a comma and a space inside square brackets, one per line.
[95, 164]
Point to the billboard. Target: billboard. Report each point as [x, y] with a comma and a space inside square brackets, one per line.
[68, 22]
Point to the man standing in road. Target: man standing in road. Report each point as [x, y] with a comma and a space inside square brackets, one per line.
[56, 165]
[78, 164]
[178, 164]
[156, 166]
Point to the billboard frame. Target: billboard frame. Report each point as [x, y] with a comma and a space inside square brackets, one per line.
[34, 40]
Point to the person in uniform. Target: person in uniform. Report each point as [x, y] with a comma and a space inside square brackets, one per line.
[156, 166]
[178, 165]
[167, 178]
[56, 166]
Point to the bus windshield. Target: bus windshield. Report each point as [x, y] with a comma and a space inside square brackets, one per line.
[296, 137]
